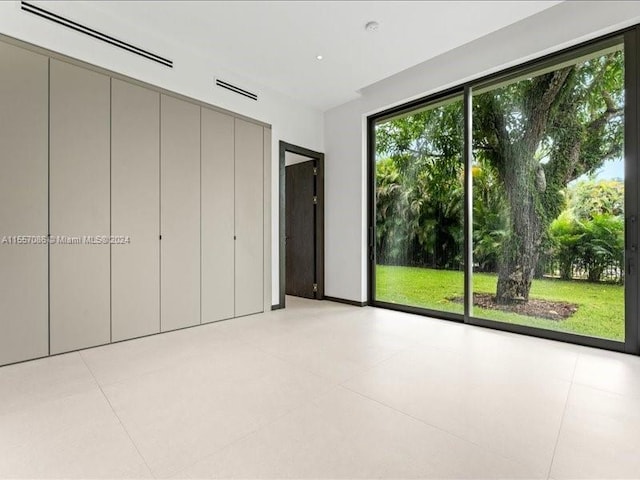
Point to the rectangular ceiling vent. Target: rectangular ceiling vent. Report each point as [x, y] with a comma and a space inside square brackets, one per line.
[234, 89]
[65, 22]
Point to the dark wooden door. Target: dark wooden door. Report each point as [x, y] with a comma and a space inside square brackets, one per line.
[300, 230]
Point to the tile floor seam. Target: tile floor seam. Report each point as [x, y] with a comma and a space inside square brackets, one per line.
[440, 429]
[375, 365]
[324, 377]
[289, 363]
[304, 404]
[631, 396]
[124, 428]
[128, 379]
[453, 350]
[564, 413]
[118, 382]
[635, 396]
[57, 398]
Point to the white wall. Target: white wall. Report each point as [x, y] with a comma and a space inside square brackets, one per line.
[192, 76]
[561, 26]
[294, 158]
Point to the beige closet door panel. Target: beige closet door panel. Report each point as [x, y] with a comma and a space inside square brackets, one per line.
[135, 210]
[24, 144]
[79, 206]
[180, 213]
[217, 216]
[249, 255]
[267, 299]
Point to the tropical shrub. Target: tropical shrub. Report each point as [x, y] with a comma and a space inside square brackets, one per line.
[589, 234]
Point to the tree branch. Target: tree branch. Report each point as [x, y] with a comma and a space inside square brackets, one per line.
[499, 143]
[576, 158]
[540, 99]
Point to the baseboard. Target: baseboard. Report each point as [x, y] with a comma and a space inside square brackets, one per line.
[278, 306]
[344, 300]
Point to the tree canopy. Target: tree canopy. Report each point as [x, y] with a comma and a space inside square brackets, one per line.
[531, 139]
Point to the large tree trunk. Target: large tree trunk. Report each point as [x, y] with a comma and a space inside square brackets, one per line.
[514, 127]
[514, 278]
[524, 182]
[520, 252]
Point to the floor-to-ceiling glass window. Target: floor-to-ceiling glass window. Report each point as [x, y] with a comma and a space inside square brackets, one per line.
[419, 194]
[516, 209]
[548, 197]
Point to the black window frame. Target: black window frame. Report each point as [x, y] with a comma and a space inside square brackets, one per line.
[630, 37]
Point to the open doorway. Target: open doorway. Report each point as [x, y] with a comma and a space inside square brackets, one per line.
[301, 223]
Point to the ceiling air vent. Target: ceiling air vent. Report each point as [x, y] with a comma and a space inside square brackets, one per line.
[65, 22]
[234, 89]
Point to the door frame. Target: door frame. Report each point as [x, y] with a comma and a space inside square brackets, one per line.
[319, 225]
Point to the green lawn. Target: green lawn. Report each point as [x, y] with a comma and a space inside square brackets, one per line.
[600, 306]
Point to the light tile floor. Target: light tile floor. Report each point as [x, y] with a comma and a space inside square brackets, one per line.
[324, 390]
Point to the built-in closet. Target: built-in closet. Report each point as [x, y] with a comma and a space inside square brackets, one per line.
[125, 210]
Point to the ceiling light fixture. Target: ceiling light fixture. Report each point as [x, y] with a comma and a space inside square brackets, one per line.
[319, 57]
[371, 26]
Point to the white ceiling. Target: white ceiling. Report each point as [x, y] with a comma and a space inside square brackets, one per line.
[275, 43]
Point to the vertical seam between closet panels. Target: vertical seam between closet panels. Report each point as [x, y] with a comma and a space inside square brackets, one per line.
[49, 206]
[264, 204]
[110, 209]
[235, 207]
[160, 212]
[200, 216]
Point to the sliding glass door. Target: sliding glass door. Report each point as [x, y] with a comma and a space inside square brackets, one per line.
[419, 194]
[512, 201]
[548, 197]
